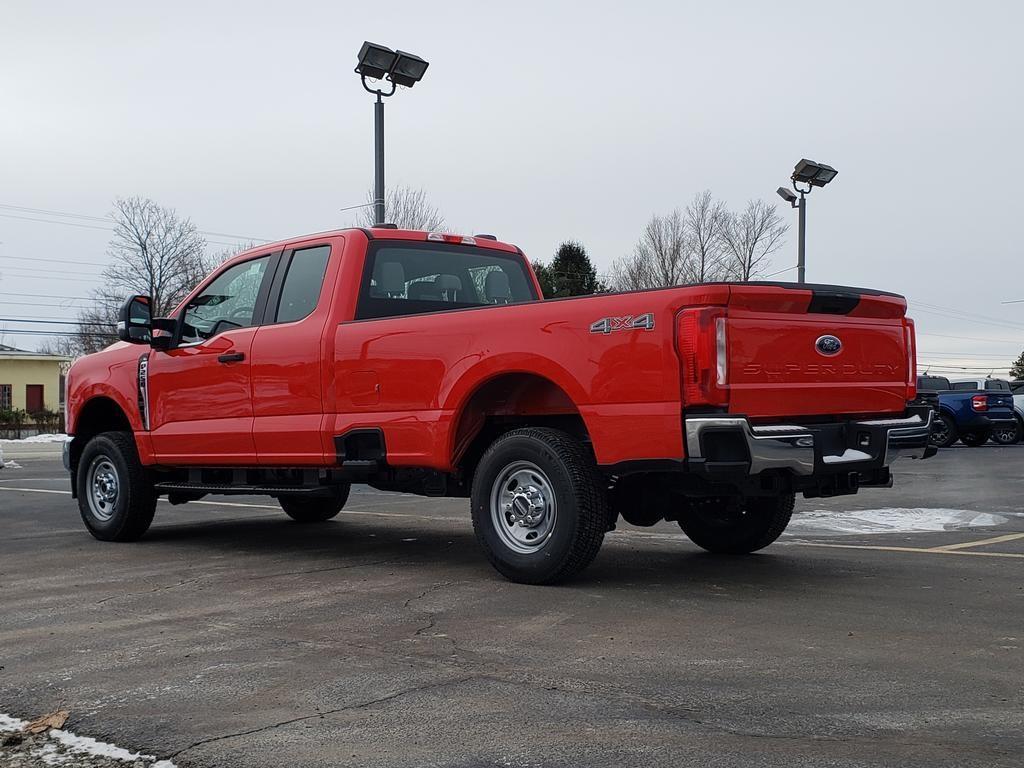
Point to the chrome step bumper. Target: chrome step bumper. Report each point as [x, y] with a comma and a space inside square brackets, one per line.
[727, 443]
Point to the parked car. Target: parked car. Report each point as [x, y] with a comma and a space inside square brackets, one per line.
[1017, 388]
[1004, 431]
[428, 363]
[968, 414]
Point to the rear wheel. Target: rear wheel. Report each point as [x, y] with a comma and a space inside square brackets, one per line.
[735, 526]
[115, 496]
[943, 431]
[974, 439]
[316, 509]
[1008, 434]
[540, 507]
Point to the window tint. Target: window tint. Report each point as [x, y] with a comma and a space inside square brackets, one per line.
[1017, 387]
[414, 278]
[228, 302]
[962, 385]
[302, 284]
[1000, 386]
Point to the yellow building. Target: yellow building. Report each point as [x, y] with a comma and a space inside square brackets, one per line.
[31, 381]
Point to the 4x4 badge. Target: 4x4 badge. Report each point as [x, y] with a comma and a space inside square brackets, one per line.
[626, 323]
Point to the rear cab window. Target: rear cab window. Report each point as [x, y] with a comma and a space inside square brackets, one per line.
[410, 278]
[303, 283]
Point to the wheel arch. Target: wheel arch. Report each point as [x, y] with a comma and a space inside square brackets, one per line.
[505, 401]
[98, 414]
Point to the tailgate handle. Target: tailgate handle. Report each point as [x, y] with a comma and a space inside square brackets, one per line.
[232, 357]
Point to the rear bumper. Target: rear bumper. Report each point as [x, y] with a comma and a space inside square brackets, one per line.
[722, 446]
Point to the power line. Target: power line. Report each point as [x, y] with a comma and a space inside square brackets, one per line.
[56, 261]
[17, 332]
[27, 320]
[66, 214]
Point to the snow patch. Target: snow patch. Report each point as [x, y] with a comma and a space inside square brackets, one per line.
[8, 723]
[39, 439]
[91, 746]
[10, 465]
[890, 520]
[55, 750]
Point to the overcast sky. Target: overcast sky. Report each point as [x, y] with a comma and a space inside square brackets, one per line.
[537, 122]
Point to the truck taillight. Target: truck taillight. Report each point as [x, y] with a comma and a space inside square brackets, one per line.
[703, 344]
[979, 402]
[910, 332]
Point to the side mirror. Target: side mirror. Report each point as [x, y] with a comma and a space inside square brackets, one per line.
[134, 321]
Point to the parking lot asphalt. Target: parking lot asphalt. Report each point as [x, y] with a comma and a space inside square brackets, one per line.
[231, 636]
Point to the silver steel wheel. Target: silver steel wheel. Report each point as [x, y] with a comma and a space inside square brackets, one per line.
[103, 488]
[523, 507]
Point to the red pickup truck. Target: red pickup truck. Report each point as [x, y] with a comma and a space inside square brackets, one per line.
[428, 363]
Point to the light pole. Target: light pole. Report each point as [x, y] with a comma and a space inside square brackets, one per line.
[377, 62]
[810, 174]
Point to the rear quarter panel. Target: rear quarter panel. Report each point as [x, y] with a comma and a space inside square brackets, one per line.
[412, 376]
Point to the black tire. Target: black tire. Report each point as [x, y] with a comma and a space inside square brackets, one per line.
[115, 494]
[974, 439]
[1007, 435]
[944, 432]
[317, 509]
[573, 513]
[738, 527]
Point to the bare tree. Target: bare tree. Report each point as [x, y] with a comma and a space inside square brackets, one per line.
[408, 208]
[706, 220]
[153, 252]
[660, 258]
[751, 237]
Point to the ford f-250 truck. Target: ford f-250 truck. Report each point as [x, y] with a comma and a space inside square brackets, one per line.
[430, 364]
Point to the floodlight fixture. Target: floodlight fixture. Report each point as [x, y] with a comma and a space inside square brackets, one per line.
[375, 61]
[408, 69]
[815, 174]
[787, 194]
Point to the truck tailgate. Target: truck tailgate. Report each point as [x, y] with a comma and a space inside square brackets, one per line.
[810, 351]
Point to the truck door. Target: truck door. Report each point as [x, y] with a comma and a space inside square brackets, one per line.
[287, 355]
[200, 399]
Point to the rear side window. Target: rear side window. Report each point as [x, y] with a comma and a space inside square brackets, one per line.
[1000, 386]
[932, 384]
[303, 283]
[414, 278]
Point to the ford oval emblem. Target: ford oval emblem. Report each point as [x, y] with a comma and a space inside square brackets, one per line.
[828, 345]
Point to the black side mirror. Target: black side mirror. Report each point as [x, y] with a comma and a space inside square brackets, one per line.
[134, 321]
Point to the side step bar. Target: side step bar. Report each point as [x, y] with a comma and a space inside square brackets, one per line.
[241, 490]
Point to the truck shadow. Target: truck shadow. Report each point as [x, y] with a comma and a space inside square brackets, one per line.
[454, 554]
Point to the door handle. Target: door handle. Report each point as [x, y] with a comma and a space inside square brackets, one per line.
[232, 357]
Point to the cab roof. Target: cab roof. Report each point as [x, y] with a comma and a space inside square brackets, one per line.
[384, 233]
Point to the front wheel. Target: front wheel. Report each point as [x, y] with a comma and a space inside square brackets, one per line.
[731, 526]
[316, 509]
[974, 439]
[1008, 434]
[540, 507]
[115, 496]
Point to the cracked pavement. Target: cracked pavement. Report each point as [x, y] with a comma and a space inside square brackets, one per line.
[232, 636]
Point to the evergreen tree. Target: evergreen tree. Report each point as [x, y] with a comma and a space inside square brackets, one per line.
[544, 278]
[1017, 369]
[570, 273]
